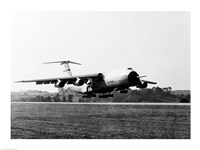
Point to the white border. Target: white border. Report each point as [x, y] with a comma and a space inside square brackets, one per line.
[7, 7]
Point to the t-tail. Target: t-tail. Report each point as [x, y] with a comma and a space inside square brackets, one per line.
[66, 66]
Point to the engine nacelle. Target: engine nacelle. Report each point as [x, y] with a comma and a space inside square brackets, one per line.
[133, 78]
[142, 85]
[100, 75]
[78, 82]
[59, 84]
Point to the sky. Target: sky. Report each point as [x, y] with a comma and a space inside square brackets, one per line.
[156, 44]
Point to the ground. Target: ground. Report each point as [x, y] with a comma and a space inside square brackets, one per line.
[72, 121]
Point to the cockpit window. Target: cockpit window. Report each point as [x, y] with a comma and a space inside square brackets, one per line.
[129, 68]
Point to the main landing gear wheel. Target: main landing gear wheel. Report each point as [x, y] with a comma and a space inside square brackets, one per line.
[89, 96]
[106, 95]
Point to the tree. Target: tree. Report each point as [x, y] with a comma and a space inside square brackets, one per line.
[47, 99]
[70, 97]
[56, 98]
[185, 99]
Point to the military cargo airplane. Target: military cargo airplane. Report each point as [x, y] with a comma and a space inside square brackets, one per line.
[103, 83]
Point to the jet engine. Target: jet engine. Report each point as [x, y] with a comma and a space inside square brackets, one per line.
[142, 85]
[133, 78]
[60, 84]
[79, 82]
[100, 75]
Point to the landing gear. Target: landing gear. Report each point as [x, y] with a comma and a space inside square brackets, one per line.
[124, 91]
[106, 95]
[100, 96]
[89, 95]
[89, 92]
[85, 96]
[93, 95]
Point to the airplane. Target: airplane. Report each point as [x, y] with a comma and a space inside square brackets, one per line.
[89, 85]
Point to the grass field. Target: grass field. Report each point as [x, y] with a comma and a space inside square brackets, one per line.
[64, 121]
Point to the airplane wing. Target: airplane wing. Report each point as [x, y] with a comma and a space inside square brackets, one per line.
[150, 82]
[68, 80]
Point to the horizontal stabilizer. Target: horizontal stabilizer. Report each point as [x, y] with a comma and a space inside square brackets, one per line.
[63, 62]
[150, 82]
[141, 76]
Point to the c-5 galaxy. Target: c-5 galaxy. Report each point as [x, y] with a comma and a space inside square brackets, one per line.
[90, 84]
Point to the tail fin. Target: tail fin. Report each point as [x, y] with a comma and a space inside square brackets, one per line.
[66, 65]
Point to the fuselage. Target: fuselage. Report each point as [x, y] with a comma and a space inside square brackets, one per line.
[113, 80]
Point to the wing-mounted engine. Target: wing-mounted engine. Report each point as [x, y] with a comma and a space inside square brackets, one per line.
[79, 82]
[90, 82]
[59, 84]
[100, 75]
[142, 85]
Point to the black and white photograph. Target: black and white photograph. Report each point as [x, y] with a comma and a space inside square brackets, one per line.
[100, 75]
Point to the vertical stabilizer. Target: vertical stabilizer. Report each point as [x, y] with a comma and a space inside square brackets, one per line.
[66, 66]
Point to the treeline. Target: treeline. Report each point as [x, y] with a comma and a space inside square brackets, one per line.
[39, 98]
[156, 94]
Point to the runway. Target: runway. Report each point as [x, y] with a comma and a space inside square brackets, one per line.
[88, 103]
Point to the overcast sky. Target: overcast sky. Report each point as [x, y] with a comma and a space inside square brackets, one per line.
[156, 44]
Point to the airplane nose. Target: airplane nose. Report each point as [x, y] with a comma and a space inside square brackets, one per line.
[133, 78]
